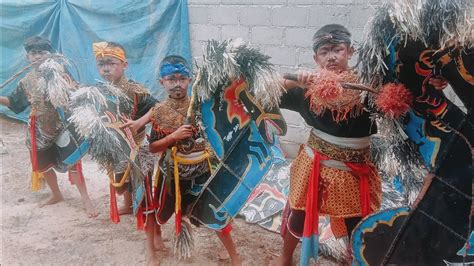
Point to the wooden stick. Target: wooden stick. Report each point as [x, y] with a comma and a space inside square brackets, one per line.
[12, 78]
[357, 86]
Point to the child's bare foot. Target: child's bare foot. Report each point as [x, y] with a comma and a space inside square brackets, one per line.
[236, 261]
[55, 198]
[280, 261]
[91, 211]
[223, 255]
[125, 210]
[159, 244]
[152, 260]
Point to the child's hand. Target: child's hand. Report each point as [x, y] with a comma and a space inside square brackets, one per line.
[129, 123]
[183, 132]
[438, 82]
[304, 78]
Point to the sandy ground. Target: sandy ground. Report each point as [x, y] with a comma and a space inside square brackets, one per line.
[62, 233]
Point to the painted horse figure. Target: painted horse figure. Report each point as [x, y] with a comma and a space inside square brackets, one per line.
[239, 92]
[438, 227]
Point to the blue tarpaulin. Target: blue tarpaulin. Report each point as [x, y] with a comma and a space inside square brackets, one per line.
[149, 30]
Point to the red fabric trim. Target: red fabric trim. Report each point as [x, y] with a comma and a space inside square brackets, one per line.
[227, 229]
[311, 220]
[363, 171]
[34, 148]
[140, 219]
[114, 215]
[78, 168]
[177, 218]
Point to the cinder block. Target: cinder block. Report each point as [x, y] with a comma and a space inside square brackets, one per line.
[305, 58]
[267, 35]
[233, 32]
[255, 16]
[224, 15]
[359, 16]
[357, 35]
[203, 32]
[198, 15]
[328, 14]
[289, 16]
[197, 49]
[287, 69]
[281, 55]
[300, 37]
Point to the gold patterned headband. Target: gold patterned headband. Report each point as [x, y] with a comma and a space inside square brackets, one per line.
[102, 49]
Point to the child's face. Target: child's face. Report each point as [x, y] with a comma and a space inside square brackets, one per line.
[111, 68]
[334, 57]
[34, 55]
[176, 85]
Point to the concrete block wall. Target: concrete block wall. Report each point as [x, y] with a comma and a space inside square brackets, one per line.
[282, 29]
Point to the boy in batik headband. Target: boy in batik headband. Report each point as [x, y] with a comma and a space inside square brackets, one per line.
[44, 126]
[333, 174]
[185, 161]
[111, 63]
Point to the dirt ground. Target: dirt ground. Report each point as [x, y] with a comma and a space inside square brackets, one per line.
[62, 233]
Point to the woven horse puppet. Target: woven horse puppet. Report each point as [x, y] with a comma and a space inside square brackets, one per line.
[96, 117]
[238, 93]
[409, 42]
[47, 89]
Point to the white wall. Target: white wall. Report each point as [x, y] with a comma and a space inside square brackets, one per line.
[282, 29]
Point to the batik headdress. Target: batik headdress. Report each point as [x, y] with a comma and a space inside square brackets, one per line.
[102, 49]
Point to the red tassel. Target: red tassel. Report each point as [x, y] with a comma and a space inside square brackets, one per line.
[148, 193]
[114, 215]
[34, 159]
[362, 171]
[156, 196]
[312, 209]
[70, 177]
[394, 100]
[35, 177]
[78, 169]
[140, 220]
[177, 218]
[79, 172]
[227, 229]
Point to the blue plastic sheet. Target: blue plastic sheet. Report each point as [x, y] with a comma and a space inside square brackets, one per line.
[149, 31]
